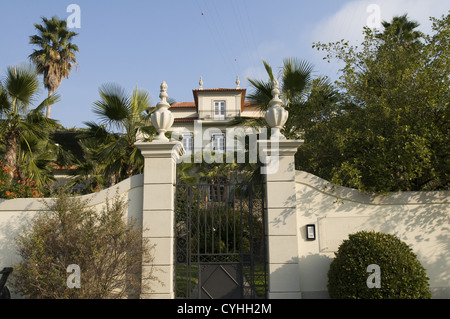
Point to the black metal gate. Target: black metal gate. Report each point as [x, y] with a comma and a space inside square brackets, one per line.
[220, 241]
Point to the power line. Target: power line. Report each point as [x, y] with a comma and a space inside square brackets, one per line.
[218, 38]
[245, 38]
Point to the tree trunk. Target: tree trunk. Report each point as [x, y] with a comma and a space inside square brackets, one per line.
[49, 106]
[11, 152]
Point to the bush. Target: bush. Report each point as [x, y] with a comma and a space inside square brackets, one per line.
[402, 275]
[16, 188]
[108, 250]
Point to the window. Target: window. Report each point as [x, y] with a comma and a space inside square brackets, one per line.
[218, 142]
[188, 143]
[219, 110]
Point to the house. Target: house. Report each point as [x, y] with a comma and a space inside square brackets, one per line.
[211, 112]
[202, 121]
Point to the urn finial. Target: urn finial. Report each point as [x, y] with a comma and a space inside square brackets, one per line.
[162, 118]
[276, 116]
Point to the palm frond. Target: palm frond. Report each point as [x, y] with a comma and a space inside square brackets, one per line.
[5, 104]
[296, 75]
[262, 93]
[114, 105]
[139, 102]
[94, 131]
[21, 84]
[268, 70]
[248, 122]
[55, 98]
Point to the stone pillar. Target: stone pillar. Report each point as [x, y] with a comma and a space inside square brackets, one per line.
[281, 219]
[160, 157]
[158, 215]
[281, 228]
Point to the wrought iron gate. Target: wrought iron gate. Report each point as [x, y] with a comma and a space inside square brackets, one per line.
[220, 241]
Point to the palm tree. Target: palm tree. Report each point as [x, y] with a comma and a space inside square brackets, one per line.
[55, 56]
[401, 29]
[296, 76]
[306, 98]
[111, 143]
[25, 132]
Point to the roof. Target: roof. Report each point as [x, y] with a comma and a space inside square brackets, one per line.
[183, 104]
[196, 92]
[247, 104]
[186, 119]
[219, 89]
[194, 105]
[191, 105]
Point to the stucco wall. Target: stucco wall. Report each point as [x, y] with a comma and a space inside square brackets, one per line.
[15, 213]
[421, 219]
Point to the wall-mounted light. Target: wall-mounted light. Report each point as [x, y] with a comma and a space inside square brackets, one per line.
[311, 232]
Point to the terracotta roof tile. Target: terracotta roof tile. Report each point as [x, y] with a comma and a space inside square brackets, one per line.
[183, 104]
[185, 119]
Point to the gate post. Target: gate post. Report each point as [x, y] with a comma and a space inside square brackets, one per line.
[281, 221]
[158, 213]
[158, 208]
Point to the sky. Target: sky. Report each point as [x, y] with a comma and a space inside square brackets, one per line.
[137, 43]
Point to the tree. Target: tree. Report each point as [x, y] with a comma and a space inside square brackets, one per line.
[295, 81]
[114, 152]
[55, 56]
[25, 132]
[295, 75]
[401, 29]
[392, 126]
[307, 99]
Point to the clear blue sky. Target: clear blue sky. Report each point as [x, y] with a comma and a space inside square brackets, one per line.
[142, 43]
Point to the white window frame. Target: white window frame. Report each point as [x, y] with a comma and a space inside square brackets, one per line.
[188, 143]
[218, 142]
[219, 110]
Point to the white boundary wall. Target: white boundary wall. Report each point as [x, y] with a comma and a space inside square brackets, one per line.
[16, 213]
[421, 219]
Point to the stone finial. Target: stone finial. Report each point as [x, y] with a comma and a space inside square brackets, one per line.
[163, 95]
[162, 118]
[276, 116]
[200, 83]
[237, 83]
[275, 94]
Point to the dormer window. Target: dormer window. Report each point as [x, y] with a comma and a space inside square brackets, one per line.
[219, 110]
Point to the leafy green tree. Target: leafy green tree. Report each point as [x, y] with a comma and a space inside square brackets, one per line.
[391, 126]
[25, 132]
[55, 56]
[109, 146]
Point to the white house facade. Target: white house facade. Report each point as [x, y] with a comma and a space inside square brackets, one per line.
[204, 120]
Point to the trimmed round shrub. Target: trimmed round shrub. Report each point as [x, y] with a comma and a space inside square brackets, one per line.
[401, 276]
